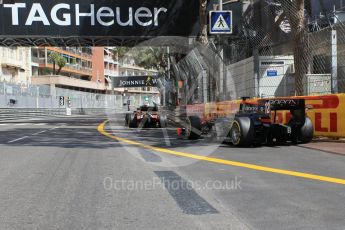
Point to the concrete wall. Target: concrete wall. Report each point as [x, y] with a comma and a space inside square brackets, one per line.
[240, 79]
[272, 77]
[282, 83]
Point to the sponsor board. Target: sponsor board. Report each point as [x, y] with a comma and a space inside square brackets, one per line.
[106, 18]
[327, 114]
[135, 81]
[272, 73]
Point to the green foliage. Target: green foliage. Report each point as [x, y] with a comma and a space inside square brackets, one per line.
[121, 51]
[152, 58]
[46, 71]
[146, 57]
[73, 62]
[58, 60]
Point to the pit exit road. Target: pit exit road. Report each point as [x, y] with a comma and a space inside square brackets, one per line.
[65, 174]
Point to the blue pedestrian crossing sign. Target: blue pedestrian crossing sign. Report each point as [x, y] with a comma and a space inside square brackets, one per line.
[220, 22]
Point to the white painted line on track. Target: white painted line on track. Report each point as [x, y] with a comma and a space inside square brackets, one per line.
[35, 134]
[41, 124]
[21, 124]
[18, 139]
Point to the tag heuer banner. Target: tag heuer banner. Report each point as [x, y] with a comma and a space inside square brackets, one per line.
[135, 81]
[101, 18]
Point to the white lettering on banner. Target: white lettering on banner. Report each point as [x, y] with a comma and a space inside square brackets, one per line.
[105, 12]
[42, 17]
[14, 7]
[130, 18]
[143, 12]
[132, 82]
[105, 16]
[157, 12]
[67, 17]
[78, 14]
[283, 102]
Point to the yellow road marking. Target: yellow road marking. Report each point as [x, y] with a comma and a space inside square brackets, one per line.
[222, 161]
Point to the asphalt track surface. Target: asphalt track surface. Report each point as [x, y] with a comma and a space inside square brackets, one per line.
[72, 173]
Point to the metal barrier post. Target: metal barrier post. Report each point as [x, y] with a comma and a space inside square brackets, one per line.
[334, 62]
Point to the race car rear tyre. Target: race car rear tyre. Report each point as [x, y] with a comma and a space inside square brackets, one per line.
[127, 119]
[132, 121]
[146, 122]
[193, 127]
[307, 131]
[242, 131]
[163, 121]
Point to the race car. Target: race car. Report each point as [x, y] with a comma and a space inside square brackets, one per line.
[146, 117]
[256, 123]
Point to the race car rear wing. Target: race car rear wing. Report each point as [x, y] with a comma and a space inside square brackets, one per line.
[148, 108]
[282, 104]
[295, 106]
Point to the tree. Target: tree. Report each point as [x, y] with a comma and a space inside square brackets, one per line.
[58, 60]
[203, 39]
[146, 57]
[152, 58]
[120, 52]
[294, 10]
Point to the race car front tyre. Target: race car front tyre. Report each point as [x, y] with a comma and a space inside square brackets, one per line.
[242, 131]
[193, 127]
[307, 131]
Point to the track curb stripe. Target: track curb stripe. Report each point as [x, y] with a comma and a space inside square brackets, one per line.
[101, 130]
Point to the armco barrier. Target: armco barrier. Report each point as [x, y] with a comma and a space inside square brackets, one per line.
[13, 114]
[327, 113]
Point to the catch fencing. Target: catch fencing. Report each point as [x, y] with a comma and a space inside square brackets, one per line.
[266, 57]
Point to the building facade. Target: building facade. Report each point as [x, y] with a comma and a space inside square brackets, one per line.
[78, 61]
[15, 65]
[83, 70]
[111, 65]
[89, 69]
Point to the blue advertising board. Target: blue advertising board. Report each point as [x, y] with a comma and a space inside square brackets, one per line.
[272, 73]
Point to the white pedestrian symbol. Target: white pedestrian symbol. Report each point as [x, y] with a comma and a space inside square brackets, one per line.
[221, 24]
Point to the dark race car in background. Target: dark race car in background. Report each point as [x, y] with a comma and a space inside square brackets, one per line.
[146, 117]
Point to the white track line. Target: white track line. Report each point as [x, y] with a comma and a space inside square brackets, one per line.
[35, 134]
[18, 139]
